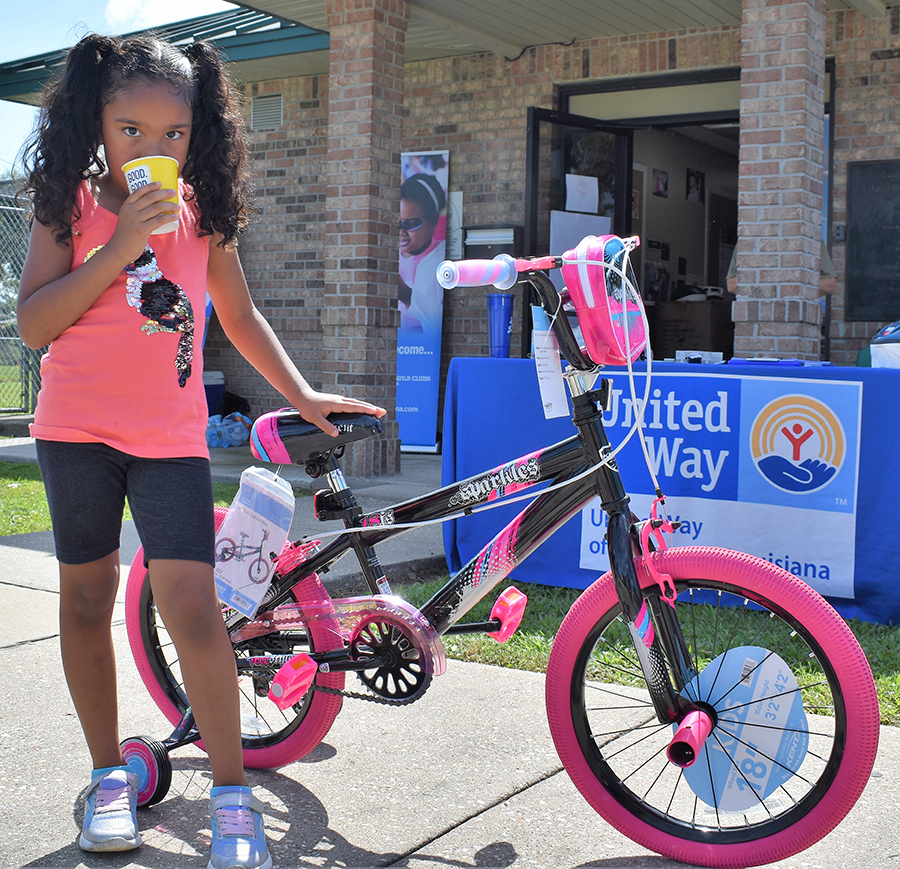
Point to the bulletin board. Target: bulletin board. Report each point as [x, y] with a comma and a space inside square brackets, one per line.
[872, 276]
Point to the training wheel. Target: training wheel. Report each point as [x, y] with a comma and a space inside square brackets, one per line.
[150, 761]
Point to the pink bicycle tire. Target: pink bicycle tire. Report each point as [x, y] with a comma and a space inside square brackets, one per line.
[844, 774]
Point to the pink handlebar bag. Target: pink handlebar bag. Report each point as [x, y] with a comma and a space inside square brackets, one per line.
[609, 308]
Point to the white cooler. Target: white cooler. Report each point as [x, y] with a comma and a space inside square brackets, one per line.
[885, 347]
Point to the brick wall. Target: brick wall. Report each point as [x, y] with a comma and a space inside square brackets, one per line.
[359, 311]
[780, 179]
[475, 106]
[283, 254]
[866, 127]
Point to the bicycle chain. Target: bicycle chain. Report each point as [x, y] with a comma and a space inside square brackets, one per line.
[353, 695]
[372, 698]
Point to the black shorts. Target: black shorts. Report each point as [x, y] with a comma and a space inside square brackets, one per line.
[171, 502]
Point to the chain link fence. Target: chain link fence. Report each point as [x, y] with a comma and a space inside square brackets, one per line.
[19, 371]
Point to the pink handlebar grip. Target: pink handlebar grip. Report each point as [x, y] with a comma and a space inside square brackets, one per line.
[501, 272]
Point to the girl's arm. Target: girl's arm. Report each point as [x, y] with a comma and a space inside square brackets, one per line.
[53, 295]
[254, 338]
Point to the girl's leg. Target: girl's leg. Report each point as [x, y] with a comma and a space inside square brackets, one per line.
[185, 594]
[85, 484]
[172, 504]
[87, 597]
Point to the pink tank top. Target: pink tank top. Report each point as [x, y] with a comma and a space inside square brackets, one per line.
[129, 372]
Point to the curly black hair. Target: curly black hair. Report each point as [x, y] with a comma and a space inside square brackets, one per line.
[64, 150]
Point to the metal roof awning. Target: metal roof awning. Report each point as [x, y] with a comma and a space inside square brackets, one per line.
[270, 42]
[258, 44]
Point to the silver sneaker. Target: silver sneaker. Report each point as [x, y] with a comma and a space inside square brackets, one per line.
[238, 837]
[110, 812]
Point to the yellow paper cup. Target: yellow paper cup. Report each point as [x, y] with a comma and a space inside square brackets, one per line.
[146, 170]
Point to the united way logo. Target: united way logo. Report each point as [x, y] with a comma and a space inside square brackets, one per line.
[798, 443]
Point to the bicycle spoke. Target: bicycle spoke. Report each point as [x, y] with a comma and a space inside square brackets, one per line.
[696, 646]
[656, 727]
[637, 769]
[613, 691]
[715, 645]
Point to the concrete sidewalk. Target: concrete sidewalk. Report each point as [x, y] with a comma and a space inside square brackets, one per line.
[465, 777]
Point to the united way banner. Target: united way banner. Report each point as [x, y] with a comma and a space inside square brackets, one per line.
[423, 241]
[768, 466]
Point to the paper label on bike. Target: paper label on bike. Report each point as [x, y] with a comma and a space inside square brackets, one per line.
[762, 735]
[549, 372]
[255, 527]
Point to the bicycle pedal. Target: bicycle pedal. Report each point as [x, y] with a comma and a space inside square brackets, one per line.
[292, 681]
[508, 610]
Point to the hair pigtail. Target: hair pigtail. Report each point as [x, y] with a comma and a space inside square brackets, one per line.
[64, 149]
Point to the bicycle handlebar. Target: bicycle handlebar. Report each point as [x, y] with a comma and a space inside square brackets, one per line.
[501, 272]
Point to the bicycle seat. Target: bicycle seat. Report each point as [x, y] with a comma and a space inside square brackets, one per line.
[286, 438]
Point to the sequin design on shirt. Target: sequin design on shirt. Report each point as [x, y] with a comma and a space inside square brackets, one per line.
[164, 304]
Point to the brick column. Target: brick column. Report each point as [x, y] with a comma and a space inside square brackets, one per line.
[359, 311]
[780, 184]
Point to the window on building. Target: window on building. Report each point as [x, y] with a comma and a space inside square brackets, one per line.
[267, 112]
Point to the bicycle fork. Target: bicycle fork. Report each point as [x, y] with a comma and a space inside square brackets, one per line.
[652, 623]
[657, 638]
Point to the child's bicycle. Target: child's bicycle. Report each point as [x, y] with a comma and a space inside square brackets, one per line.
[743, 722]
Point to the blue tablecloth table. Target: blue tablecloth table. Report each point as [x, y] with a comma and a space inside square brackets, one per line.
[796, 464]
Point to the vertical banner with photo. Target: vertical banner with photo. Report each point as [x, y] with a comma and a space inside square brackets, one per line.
[423, 242]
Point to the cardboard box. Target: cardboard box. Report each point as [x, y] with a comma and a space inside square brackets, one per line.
[703, 325]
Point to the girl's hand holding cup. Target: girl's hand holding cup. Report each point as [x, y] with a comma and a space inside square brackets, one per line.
[146, 170]
[149, 179]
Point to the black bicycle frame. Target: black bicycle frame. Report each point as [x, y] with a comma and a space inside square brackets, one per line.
[533, 526]
[568, 462]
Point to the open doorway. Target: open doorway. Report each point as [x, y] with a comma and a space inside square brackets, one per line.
[674, 185]
[688, 201]
[688, 209]
[682, 192]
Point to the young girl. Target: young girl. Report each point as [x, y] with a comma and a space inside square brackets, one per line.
[122, 410]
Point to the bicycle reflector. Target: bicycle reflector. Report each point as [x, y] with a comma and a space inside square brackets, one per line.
[608, 306]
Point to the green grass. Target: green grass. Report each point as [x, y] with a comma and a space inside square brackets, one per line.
[529, 648]
[10, 373]
[23, 505]
[23, 508]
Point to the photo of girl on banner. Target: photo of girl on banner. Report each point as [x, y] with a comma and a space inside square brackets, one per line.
[422, 244]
